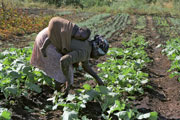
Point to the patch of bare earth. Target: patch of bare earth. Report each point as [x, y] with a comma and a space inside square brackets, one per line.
[164, 96]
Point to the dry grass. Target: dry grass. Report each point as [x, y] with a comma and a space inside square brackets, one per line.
[129, 6]
[25, 4]
[160, 7]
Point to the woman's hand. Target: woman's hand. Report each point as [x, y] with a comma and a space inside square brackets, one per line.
[100, 82]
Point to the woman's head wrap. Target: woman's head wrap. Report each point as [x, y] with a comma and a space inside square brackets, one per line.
[100, 46]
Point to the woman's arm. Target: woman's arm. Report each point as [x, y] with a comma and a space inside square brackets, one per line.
[89, 70]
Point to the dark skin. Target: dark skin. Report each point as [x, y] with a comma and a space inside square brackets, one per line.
[89, 70]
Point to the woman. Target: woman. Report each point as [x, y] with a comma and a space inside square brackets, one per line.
[63, 51]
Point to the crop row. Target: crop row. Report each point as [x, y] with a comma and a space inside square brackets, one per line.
[172, 50]
[118, 25]
[176, 25]
[141, 22]
[105, 24]
[168, 27]
[18, 78]
[160, 21]
[94, 22]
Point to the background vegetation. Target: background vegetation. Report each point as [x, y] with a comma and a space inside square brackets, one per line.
[163, 7]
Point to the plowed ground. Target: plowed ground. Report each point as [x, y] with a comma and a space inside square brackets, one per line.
[163, 97]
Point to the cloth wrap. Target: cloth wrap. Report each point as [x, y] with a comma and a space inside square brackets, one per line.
[50, 64]
[59, 32]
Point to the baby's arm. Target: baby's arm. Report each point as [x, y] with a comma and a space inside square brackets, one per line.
[44, 46]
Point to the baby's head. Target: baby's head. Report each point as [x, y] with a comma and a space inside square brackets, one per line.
[82, 33]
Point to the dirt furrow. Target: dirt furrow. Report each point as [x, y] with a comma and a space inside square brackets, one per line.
[115, 40]
[133, 19]
[165, 95]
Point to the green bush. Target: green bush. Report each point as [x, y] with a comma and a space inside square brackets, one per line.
[81, 3]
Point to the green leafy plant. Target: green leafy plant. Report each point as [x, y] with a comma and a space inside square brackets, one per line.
[17, 77]
[106, 24]
[141, 22]
[4, 114]
[161, 21]
[172, 49]
[123, 67]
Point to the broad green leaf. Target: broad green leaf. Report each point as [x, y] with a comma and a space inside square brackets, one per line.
[4, 114]
[12, 90]
[144, 116]
[5, 81]
[82, 105]
[85, 97]
[26, 69]
[55, 107]
[84, 118]
[70, 97]
[144, 81]
[38, 73]
[14, 74]
[47, 80]
[70, 106]
[92, 94]
[33, 87]
[117, 106]
[154, 116]
[177, 58]
[121, 114]
[69, 115]
[87, 87]
[1, 66]
[102, 90]
[121, 77]
[107, 102]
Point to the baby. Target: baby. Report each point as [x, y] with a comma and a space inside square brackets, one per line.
[77, 33]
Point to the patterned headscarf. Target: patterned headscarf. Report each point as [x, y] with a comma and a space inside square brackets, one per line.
[100, 46]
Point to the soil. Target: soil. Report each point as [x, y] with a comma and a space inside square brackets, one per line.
[163, 97]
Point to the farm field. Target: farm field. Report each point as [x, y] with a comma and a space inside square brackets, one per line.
[141, 72]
